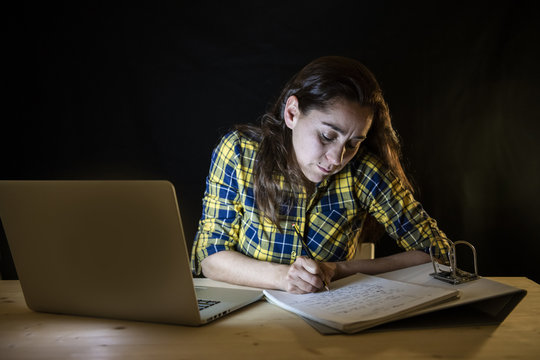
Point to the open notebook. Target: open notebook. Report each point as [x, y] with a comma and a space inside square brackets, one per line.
[406, 298]
[112, 249]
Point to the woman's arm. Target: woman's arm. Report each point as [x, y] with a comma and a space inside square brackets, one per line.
[388, 201]
[380, 265]
[303, 276]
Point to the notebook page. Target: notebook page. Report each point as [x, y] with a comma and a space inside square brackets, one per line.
[359, 298]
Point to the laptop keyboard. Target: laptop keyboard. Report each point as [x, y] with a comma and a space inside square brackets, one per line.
[204, 304]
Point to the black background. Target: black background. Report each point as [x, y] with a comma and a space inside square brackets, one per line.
[122, 91]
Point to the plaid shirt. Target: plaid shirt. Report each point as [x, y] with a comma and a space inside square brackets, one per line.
[331, 219]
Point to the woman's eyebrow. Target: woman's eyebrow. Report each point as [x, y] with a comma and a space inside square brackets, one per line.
[340, 131]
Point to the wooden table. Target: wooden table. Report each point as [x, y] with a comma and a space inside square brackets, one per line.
[260, 331]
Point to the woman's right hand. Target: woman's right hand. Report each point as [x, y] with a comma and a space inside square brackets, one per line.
[306, 276]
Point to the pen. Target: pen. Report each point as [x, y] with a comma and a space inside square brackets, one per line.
[306, 249]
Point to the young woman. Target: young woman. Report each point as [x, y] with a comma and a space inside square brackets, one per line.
[323, 167]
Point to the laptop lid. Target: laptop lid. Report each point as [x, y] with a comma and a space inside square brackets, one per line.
[113, 249]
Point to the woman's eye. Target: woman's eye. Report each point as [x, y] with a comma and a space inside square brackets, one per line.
[326, 138]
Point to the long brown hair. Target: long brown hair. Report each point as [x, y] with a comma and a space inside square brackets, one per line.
[317, 86]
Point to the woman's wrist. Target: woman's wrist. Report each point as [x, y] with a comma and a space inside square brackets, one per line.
[280, 272]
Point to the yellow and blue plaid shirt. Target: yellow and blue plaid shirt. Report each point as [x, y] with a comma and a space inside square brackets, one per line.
[331, 219]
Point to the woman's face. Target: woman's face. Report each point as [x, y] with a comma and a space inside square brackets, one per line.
[325, 141]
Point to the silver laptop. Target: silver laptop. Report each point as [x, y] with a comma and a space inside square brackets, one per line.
[113, 249]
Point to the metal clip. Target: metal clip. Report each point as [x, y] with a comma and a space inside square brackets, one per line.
[453, 274]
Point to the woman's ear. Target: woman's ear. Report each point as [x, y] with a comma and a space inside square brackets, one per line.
[291, 112]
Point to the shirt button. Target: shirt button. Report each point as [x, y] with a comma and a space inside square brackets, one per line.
[293, 254]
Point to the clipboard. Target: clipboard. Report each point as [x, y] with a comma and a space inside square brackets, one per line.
[482, 302]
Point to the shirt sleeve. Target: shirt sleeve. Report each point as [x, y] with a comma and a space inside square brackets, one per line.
[219, 224]
[392, 205]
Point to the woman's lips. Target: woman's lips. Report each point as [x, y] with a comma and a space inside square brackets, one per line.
[324, 170]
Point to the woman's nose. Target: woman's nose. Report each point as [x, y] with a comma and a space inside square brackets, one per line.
[335, 154]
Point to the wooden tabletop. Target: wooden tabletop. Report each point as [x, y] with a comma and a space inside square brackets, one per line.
[260, 331]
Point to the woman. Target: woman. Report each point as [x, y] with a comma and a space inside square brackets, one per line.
[323, 167]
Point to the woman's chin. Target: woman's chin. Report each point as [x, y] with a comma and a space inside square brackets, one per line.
[316, 178]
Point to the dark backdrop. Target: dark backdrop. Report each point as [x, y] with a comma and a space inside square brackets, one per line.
[123, 91]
